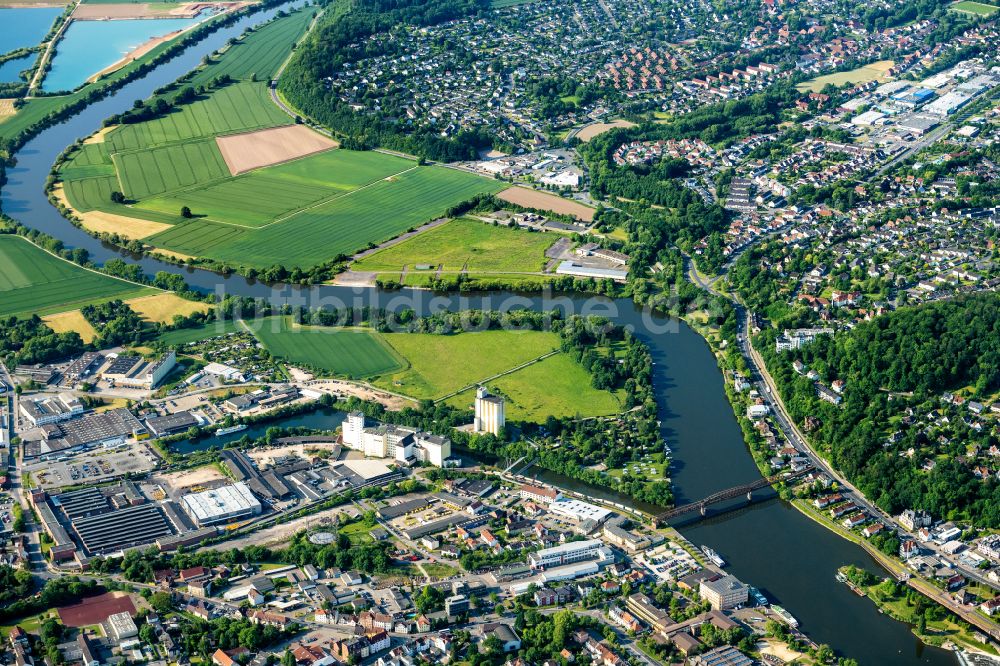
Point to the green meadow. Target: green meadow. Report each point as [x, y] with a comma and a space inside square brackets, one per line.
[33, 281]
[464, 244]
[350, 352]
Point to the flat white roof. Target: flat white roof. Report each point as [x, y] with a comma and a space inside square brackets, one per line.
[579, 510]
[221, 502]
[570, 547]
[367, 469]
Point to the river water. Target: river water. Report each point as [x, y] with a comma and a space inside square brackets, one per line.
[768, 544]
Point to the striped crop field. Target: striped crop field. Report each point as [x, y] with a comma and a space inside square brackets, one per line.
[240, 107]
[315, 208]
[350, 352]
[35, 282]
[260, 197]
[146, 173]
[261, 53]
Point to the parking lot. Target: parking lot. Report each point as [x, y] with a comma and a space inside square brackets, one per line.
[92, 467]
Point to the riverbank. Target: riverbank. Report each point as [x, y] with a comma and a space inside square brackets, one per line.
[786, 430]
[916, 610]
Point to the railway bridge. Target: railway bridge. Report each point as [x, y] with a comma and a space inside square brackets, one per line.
[747, 489]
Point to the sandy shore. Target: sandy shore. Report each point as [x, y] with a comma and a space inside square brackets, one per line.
[134, 55]
[100, 222]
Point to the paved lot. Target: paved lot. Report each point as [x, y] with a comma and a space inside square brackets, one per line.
[92, 467]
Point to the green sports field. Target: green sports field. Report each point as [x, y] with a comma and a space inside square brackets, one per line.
[348, 352]
[33, 281]
[464, 244]
[978, 8]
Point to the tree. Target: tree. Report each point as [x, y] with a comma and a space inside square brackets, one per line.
[186, 212]
[147, 634]
[288, 659]
[117, 197]
[492, 646]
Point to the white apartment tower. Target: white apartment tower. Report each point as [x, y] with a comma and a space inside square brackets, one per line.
[489, 412]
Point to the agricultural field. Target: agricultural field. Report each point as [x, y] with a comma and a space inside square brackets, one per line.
[529, 198]
[349, 352]
[263, 196]
[320, 232]
[556, 386]
[73, 320]
[970, 7]
[264, 148]
[464, 244]
[35, 282]
[239, 107]
[471, 358]
[146, 173]
[875, 71]
[163, 307]
[320, 204]
[260, 53]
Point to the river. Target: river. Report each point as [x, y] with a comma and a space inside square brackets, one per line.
[769, 544]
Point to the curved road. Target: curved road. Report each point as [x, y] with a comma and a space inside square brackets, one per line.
[769, 391]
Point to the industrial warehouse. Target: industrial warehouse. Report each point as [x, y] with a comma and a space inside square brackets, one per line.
[222, 505]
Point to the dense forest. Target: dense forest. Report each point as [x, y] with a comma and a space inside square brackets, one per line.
[897, 368]
[340, 39]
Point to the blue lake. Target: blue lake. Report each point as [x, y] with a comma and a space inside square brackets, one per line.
[88, 47]
[9, 70]
[25, 26]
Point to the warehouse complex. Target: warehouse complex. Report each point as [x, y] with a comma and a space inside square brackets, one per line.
[222, 505]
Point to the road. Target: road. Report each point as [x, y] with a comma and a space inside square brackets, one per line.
[769, 392]
[34, 548]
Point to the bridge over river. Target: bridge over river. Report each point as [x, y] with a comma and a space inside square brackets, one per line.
[747, 489]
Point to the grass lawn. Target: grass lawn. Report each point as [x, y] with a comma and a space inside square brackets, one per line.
[182, 336]
[464, 244]
[555, 386]
[33, 281]
[352, 352]
[652, 467]
[875, 71]
[357, 532]
[970, 7]
[440, 364]
[439, 570]
[31, 624]
[938, 631]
